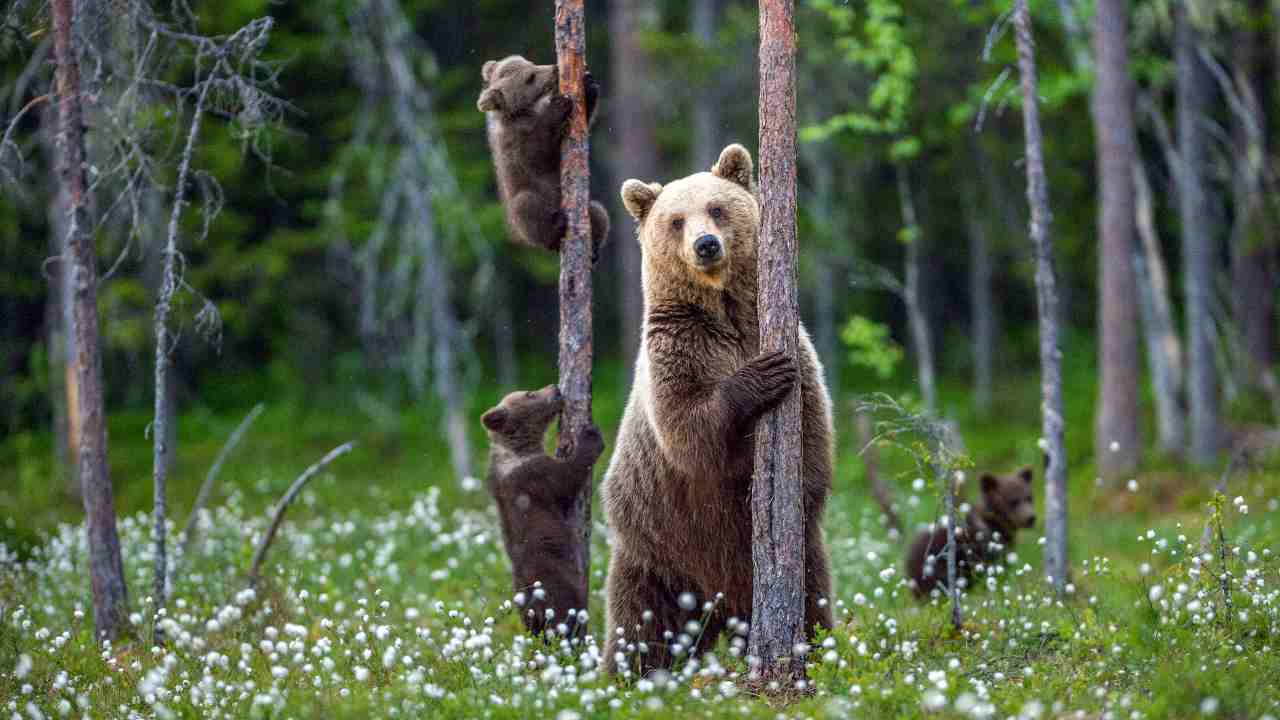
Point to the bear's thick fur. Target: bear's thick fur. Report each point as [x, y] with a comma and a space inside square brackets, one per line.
[534, 494]
[982, 536]
[527, 119]
[677, 491]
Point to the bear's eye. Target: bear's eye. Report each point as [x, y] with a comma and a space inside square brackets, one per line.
[529, 395]
[529, 80]
[716, 213]
[677, 224]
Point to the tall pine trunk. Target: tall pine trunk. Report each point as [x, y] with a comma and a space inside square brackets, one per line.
[1052, 420]
[1117, 445]
[632, 112]
[106, 570]
[1198, 247]
[777, 512]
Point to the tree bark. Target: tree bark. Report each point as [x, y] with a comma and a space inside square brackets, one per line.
[777, 512]
[1164, 349]
[1052, 421]
[575, 265]
[1198, 254]
[106, 570]
[632, 113]
[1117, 444]
[916, 316]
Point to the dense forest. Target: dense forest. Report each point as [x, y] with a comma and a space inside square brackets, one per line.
[290, 210]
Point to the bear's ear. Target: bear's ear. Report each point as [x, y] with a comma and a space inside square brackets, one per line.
[989, 483]
[494, 419]
[491, 99]
[734, 165]
[1025, 474]
[486, 70]
[638, 198]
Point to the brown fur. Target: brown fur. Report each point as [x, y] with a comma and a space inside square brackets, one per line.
[527, 121]
[677, 491]
[535, 494]
[982, 537]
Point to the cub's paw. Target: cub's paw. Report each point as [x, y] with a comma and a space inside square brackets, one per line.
[590, 442]
[557, 226]
[560, 107]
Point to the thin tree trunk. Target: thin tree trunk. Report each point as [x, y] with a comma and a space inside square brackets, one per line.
[870, 454]
[106, 570]
[1198, 255]
[632, 112]
[1164, 349]
[949, 507]
[1255, 267]
[58, 335]
[1052, 421]
[1117, 444]
[575, 265]
[777, 493]
[706, 105]
[982, 307]
[916, 316]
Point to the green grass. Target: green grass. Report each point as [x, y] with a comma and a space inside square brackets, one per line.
[387, 592]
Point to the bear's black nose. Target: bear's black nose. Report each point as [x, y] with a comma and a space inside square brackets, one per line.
[707, 247]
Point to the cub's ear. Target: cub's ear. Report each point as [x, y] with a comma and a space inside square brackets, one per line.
[486, 71]
[989, 483]
[638, 198]
[1025, 474]
[494, 419]
[734, 165]
[491, 99]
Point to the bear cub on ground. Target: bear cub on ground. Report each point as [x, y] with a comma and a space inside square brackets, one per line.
[982, 537]
[528, 119]
[535, 494]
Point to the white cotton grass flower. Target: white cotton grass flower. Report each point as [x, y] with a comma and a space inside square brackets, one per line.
[1132, 485]
[1209, 706]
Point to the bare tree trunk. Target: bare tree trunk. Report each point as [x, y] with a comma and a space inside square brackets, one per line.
[1164, 349]
[575, 264]
[982, 306]
[916, 316]
[1117, 445]
[58, 328]
[632, 113]
[1255, 266]
[706, 107]
[1055, 476]
[106, 570]
[777, 492]
[1199, 257]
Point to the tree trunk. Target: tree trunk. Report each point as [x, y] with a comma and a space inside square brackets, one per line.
[1164, 349]
[106, 570]
[633, 110]
[706, 104]
[1198, 246]
[1117, 445]
[982, 307]
[1255, 266]
[1052, 421]
[575, 264]
[58, 328]
[916, 317]
[777, 492]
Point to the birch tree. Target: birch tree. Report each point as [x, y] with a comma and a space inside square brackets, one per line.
[1052, 419]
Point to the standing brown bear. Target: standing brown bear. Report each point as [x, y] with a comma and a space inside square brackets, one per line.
[677, 491]
[535, 494]
[982, 537]
[527, 120]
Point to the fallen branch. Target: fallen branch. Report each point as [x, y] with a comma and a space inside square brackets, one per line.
[278, 516]
[206, 489]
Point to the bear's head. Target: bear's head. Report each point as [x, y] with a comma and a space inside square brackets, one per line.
[702, 228]
[1008, 499]
[522, 418]
[514, 84]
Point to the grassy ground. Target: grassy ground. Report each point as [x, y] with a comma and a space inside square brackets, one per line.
[387, 593]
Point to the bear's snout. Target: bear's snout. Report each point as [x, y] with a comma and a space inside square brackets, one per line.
[708, 249]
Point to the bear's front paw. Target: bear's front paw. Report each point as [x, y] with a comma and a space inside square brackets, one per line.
[590, 443]
[560, 107]
[765, 380]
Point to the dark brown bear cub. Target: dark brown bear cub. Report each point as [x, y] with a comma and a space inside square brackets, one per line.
[535, 494]
[527, 120]
[984, 534]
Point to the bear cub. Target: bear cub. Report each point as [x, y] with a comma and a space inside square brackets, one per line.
[535, 494]
[982, 537]
[527, 120]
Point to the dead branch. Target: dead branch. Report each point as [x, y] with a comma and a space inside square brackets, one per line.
[206, 488]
